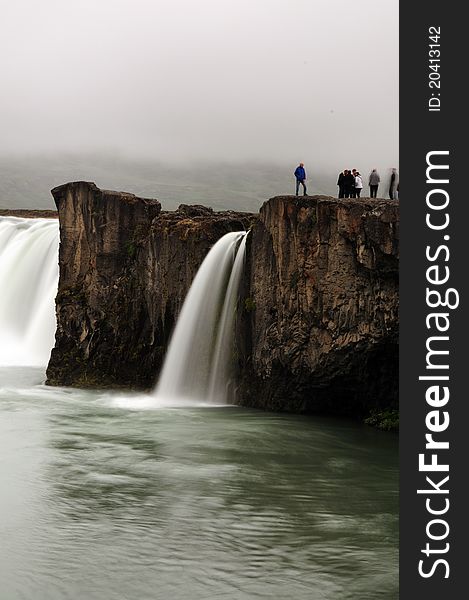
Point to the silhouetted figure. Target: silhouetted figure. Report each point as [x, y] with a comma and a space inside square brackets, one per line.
[393, 185]
[352, 190]
[358, 184]
[340, 183]
[349, 185]
[300, 175]
[373, 182]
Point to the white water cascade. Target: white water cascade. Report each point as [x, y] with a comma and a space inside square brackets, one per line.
[197, 362]
[28, 285]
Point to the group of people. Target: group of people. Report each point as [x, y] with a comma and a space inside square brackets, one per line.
[350, 183]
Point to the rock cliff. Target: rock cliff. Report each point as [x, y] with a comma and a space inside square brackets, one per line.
[318, 321]
[125, 268]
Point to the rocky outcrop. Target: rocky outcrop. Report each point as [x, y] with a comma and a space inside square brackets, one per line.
[125, 268]
[317, 324]
[26, 213]
[320, 325]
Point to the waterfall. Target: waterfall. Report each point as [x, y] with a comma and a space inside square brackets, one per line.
[28, 283]
[219, 372]
[200, 352]
[198, 357]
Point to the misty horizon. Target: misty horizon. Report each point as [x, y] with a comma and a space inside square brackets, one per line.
[268, 80]
[267, 84]
[26, 182]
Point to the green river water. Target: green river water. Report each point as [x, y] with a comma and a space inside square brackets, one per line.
[103, 499]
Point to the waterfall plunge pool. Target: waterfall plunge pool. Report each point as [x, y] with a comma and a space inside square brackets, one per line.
[103, 501]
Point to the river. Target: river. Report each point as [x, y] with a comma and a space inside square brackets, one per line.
[104, 499]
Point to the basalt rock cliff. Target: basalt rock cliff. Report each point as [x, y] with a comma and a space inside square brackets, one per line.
[320, 319]
[125, 268]
[318, 311]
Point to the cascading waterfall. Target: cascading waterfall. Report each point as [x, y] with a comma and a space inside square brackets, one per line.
[198, 358]
[28, 282]
[197, 361]
[219, 372]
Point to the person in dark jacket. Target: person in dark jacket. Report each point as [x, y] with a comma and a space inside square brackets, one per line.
[393, 185]
[340, 183]
[373, 182]
[352, 189]
[300, 175]
[349, 185]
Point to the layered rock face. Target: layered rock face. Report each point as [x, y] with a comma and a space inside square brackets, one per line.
[320, 321]
[125, 268]
[317, 326]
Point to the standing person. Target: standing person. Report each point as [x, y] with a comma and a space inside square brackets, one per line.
[352, 188]
[358, 184]
[349, 184]
[300, 175]
[341, 184]
[373, 182]
[393, 184]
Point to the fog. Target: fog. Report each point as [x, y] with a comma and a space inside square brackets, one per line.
[224, 81]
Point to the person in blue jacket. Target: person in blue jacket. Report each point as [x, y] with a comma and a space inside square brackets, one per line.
[300, 175]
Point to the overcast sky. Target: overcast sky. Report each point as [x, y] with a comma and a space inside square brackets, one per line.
[267, 80]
